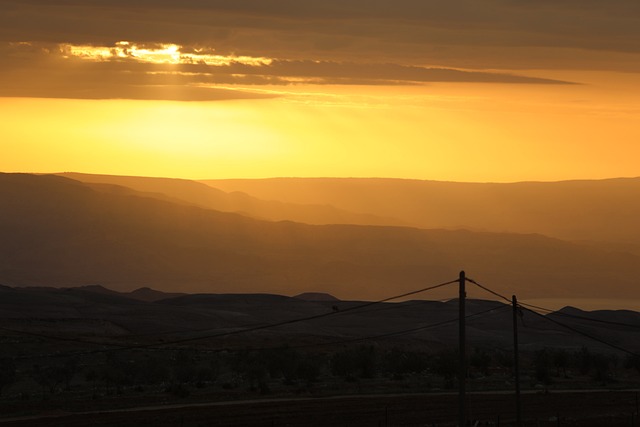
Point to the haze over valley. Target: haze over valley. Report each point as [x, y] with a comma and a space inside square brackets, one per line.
[166, 235]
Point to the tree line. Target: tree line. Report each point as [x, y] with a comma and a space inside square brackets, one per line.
[180, 372]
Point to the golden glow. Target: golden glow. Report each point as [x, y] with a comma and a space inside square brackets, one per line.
[158, 54]
[460, 132]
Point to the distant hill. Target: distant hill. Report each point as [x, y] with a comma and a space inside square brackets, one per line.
[316, 296]
[588, 210]
[140, 294]
[98, 317]
[201, 195]
[78, 311]
[148, 294]
[97, 289]
[55, 231]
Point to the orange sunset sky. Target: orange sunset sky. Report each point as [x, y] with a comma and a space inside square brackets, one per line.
[462, 90]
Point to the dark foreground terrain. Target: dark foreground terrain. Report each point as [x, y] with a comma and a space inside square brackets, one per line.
[94, 357]
[589, 408]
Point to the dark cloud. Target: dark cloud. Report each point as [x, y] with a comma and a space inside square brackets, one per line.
[327, 42]
[389, 72]
[120, 91]
[49, 70]
[293, 28]
[41, 72]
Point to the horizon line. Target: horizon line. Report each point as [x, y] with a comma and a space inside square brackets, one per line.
[327, 177]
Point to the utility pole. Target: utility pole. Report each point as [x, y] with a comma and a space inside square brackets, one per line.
[462, 372]
[516, 360]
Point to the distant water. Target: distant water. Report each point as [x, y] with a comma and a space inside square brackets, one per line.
[588, 304]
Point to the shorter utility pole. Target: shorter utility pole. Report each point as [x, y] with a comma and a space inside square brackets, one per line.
[516, 360]
[462, 372]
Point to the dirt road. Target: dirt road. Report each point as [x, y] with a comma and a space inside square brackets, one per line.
[593, 408]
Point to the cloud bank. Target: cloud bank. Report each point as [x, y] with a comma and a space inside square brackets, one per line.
[187, 50]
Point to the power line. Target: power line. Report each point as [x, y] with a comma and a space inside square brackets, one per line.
[121, 347]
[339, 342]
[184, 331]
[555, 312]
[601, 341]
[521, 305]
[331, 313]
[403, 305]
[575, 316]
[162, 346]
[508, 300]
[402, 332]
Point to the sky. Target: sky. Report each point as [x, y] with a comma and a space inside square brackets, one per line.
[458, 90]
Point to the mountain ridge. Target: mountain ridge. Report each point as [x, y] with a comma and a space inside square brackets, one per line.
[600, 211]
[56, 231]
[198, 194]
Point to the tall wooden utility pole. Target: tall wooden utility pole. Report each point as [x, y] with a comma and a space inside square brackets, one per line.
[462, 372]
[516, 360]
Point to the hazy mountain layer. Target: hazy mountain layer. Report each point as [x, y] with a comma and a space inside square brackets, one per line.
[60, 232]
[204, 196]
[604, 210]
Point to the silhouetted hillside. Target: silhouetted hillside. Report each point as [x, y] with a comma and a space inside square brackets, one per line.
[604, 210]
[69, 313]
[77, 311]
[141, 294]
[148, 294]
[59, 232]
[316, 296]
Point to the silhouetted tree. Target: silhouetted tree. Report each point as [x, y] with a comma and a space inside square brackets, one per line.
[584, 360]
[117, 372]
[152, 370]
[7, 374]
[353, 362]
[283, 363]
[560, 359]
[184, 368]
[602, 367]
[252, 367]
[399, 362]
[309, 368]
[446, 365]
[480, 360]
[49, 377]
[207, 371]
[69, 370]
[542, 365]
[504, 359]
[92, 375]
[632, 362]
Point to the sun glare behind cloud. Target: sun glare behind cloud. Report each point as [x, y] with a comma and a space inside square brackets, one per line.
[157, 53]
